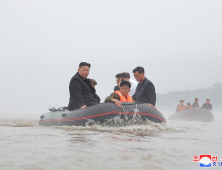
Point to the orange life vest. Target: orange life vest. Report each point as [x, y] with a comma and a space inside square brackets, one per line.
[179, 108]
[122, 98]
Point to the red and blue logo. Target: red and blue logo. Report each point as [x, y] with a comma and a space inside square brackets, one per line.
[206, 160]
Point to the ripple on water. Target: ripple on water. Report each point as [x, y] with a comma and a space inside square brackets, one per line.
[121, 145]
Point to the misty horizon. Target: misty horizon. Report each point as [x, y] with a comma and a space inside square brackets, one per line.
[43, 42]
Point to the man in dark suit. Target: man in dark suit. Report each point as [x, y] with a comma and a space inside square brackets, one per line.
[145, 90]
[195, 103]
[82, 94]
[207, 105]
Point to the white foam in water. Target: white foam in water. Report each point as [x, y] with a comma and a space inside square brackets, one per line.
[120, 125]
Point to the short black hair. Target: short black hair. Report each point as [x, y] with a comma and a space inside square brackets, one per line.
[84, 64]
[196, 98]
[181, 100]
[123, 83]
[139, 69]
[189, 104]
[125, 75]
[118, 75]
[207, 99]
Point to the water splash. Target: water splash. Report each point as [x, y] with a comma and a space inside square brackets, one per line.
[137, 126]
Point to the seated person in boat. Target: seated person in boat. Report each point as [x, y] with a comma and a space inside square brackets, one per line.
[126, 77]
[207, 105]
[94, 83]
[82, 94]
[121, 95]
[181, 106]
[189, 106]
[117, 82]
[145, 90]
[195, 103]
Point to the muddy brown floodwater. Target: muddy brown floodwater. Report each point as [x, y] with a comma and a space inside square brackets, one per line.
[24, 145]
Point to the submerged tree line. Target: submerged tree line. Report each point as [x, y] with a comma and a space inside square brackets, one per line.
[169, 100]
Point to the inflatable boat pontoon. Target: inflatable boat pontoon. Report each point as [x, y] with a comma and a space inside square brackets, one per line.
[100, 113]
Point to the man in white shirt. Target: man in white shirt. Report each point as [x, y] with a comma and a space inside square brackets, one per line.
[126, 76]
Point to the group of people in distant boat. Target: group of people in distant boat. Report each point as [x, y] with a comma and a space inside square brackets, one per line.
[83, 93]
[182, 107]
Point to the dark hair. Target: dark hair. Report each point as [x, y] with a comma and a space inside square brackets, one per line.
[139, 69]
[123, 83]
[181, 100]
[196, 98]
[207, 99]
[92, 82]
[189, 104]
[118, 75]
[84, 64]
[125, 75]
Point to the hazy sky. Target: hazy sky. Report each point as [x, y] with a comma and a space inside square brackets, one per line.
[179, 43]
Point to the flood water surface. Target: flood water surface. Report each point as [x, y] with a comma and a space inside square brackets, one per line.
[25, 145]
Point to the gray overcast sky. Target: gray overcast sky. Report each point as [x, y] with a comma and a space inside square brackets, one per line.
[179, 43]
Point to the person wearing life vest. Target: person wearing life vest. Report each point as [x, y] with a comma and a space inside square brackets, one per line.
[121, 95]
[126, 77]
[189, 106]
[181, 107]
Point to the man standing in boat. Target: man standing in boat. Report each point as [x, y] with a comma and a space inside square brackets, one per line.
[117, 82]
[126, 77]
[207, 105]
[82, 94]
[195, 103]
[145, 90]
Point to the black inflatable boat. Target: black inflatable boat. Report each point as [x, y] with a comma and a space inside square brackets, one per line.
[101, 113]
[197, 114]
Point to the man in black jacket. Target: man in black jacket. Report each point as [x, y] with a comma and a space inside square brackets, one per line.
[207, 105]
[82, 94]
[195, 103]
[145, 90]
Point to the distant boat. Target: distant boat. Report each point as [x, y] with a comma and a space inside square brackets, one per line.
[100, 113]
[196, 114]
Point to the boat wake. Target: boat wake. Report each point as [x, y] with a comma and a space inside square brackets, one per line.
[10, 122]
[135, 126]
